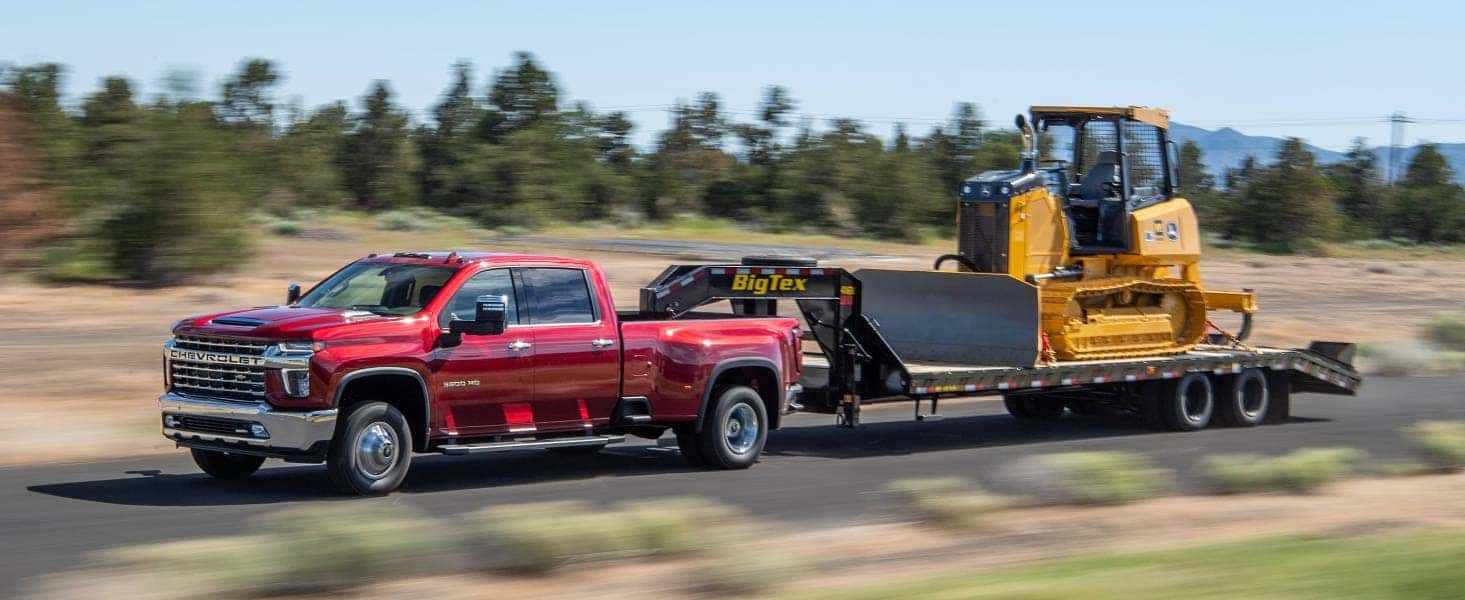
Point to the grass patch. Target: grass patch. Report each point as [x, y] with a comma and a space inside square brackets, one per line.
[1422, 565]
[1440, 444]
[1104, 477]
[947, 502]
[1302, 471]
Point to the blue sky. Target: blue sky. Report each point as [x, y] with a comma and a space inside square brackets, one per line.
[1264, 67]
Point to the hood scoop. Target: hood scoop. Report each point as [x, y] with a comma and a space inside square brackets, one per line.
[238, 321]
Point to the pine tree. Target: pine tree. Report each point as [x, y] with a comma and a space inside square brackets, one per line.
[375, 160]
[1361, 193]
[1288, 205]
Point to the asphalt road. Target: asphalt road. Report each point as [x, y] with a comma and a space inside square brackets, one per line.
[812, 473]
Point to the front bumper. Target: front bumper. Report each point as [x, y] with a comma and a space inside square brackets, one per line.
[228, 426]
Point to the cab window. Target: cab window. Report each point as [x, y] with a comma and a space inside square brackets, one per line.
[493, 282]
[559, 296]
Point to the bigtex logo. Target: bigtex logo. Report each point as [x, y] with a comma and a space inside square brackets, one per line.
[762, 284]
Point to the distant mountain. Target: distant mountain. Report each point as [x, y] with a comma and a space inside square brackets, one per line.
[1225, 148]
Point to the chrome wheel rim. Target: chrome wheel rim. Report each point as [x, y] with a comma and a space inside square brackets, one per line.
[741, 429]
[377, 450]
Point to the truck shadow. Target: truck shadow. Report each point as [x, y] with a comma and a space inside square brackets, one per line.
[166, 482]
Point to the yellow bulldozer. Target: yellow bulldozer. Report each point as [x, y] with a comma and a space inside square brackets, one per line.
[1105, 250]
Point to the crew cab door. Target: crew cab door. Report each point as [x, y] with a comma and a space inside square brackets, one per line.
[486, 383]
[577, 359]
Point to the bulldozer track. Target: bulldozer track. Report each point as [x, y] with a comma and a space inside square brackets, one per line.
[1055, 299]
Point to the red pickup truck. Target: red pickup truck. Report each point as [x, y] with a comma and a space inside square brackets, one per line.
[459, 353]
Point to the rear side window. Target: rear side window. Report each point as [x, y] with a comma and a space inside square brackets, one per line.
[494, 282]
[559, 296]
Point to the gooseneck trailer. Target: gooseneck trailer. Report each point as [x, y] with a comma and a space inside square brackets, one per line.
[886, 335]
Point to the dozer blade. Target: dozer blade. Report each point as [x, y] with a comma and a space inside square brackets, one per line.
[954, 318]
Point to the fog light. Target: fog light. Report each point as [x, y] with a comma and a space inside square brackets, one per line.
[169, 421]
[297, 382]
[258, 430]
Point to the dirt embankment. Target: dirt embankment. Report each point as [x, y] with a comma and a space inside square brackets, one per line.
[29, 212]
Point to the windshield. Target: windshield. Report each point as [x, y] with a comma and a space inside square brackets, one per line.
[382, 288]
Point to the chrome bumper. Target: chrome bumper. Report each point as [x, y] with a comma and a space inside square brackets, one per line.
[284, 433]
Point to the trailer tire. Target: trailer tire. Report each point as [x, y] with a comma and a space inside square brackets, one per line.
[1033, 407]
[223, 465]
[1244, 399]
[371, 451]
[1188, 403]
[734, 429]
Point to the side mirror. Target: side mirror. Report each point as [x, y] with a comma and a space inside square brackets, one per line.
[490, 317]
[1021, 122]
[292, 294]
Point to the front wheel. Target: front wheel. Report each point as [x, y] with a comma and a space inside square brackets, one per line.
[371, 451]
[733, 430]
[224, 465]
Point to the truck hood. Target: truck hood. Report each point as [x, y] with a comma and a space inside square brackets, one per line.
[272, 322]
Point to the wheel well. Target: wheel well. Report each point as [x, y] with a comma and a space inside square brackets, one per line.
[401, 391]
[763, 380]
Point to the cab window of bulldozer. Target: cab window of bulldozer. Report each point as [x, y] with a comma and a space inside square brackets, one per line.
[1146, 150]
[1098, 136]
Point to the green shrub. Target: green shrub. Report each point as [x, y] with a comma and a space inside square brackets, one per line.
[338, 547]
[203, 568]
[948, 502]
[286, 228]
[401, 220]
[1105, 477]
[1440, 444]
[536, 538]
[1447, 330]
[1301, 471]
[676, 526]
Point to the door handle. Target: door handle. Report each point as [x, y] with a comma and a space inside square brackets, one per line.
[518, 345]
[602, 342]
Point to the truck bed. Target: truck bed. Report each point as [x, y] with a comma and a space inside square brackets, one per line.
[1311, 370]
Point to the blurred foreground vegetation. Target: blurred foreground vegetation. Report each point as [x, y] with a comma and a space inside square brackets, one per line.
[154, 190]
[1415, 565]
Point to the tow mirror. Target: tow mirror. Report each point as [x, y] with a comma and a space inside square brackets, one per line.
[292, 293]
[490, 317]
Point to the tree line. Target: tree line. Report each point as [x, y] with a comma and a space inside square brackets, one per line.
[157, 187]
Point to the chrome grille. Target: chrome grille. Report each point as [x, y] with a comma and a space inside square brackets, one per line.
[218, 380]
[214, 344]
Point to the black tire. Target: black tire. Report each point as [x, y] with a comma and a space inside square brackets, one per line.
[1033, 407]
[690, 449]
[1016, 407]
[224, 465]
[724, 439]
[1188, 403]
[1243, 399]
[372, 450]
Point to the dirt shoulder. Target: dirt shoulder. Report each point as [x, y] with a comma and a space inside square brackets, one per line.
[93, 352]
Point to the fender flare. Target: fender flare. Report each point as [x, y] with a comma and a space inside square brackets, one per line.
[735, 363]
[416, 376]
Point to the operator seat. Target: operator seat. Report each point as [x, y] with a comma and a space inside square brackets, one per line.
[1104, 171]
[1096, 209]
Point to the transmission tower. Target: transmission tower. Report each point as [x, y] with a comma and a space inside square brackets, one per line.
[1396, 141]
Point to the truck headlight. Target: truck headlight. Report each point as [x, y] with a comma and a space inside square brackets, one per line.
[296, 382]
[301, 347]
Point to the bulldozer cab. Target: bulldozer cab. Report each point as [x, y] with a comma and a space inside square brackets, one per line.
[1104, 163]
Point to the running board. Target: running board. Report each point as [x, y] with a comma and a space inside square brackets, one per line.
[565, 442]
